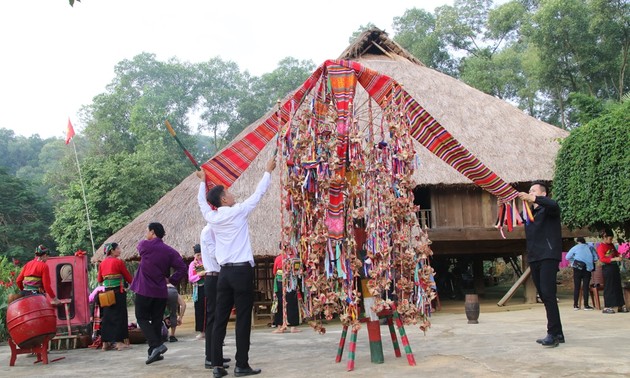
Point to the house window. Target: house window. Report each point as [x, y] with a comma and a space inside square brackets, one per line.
[422, 198]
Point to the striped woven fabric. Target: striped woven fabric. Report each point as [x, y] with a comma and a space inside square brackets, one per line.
[426, 130]
[229, 164]
[343, 82]
[335, 213]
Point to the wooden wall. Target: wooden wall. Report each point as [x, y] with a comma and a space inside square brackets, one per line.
[462, 207]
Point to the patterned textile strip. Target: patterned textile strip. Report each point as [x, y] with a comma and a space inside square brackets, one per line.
[334, 213]
[428, 131]
[32, 283]
[343, 82]
[227, 166]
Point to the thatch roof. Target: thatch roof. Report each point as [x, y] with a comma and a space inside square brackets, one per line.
[517, 147]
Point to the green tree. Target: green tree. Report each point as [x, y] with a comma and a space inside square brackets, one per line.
[489, 38]
[463, 25]
[221, 87]
[416, 31]
[583, 48]
[17, 151]
[24, 218]
[610, 20]
[592, 177]
[128, 159]
[118, 188]
[265, 91]
[541, 55]
[142, 95]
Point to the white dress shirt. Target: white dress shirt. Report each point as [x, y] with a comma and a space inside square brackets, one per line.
[208, 244]
[208, 247]
[230, 228]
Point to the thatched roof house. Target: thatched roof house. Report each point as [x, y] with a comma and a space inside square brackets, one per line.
[517, 147]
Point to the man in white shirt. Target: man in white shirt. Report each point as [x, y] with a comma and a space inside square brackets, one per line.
[235, 286]
[212, 268]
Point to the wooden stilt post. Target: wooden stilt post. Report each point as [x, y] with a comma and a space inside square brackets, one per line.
[403, 337]
[352, 349]
[376, 345]
[392, 333]
[342, 343]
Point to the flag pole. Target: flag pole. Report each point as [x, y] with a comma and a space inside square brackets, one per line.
[87, 212]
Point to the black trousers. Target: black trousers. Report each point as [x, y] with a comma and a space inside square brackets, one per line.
[613, 294]
[114, 319]
[210, 289]
[235, 287]
[544, 275]
[149, 312]
[293, 309]
[581, 279]
[200, 309]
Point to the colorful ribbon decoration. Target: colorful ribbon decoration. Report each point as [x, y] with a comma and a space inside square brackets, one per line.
[328, 187]
[229, 164]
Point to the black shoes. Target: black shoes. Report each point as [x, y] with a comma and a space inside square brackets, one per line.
[156, 353]
[560, 338]
[209, 365]
[219, 372]
[242, 372]
[551, 341]
[172, 339]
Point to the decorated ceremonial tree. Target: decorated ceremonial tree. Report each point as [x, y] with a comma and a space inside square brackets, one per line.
[347, 207]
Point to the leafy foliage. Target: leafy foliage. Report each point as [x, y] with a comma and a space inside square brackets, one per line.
[9, 271]
[592, 177]
[536, 54]
[24, 218]
[127, 158]
[416, 31]
[264, 92]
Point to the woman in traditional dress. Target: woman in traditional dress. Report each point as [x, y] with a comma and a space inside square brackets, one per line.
[196, 273]
[292, 310]
[34, 277]
[608, 255]
[112, 273]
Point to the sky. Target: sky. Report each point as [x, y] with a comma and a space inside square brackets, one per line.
[58, 57]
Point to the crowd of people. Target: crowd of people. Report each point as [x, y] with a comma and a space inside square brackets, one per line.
[222, 278]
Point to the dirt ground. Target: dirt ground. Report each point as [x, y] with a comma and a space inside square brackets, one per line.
[502, 344]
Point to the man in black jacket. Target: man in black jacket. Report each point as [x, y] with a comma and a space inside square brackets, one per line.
[544, 252]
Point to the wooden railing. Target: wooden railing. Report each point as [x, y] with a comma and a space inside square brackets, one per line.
[424, 217]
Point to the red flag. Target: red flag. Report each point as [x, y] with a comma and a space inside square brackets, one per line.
[69, 132]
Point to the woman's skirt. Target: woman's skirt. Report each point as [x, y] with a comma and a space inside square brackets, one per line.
[613, 294]
[114, 326]
[293, 311]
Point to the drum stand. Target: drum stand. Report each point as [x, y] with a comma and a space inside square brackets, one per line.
[41, 350]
